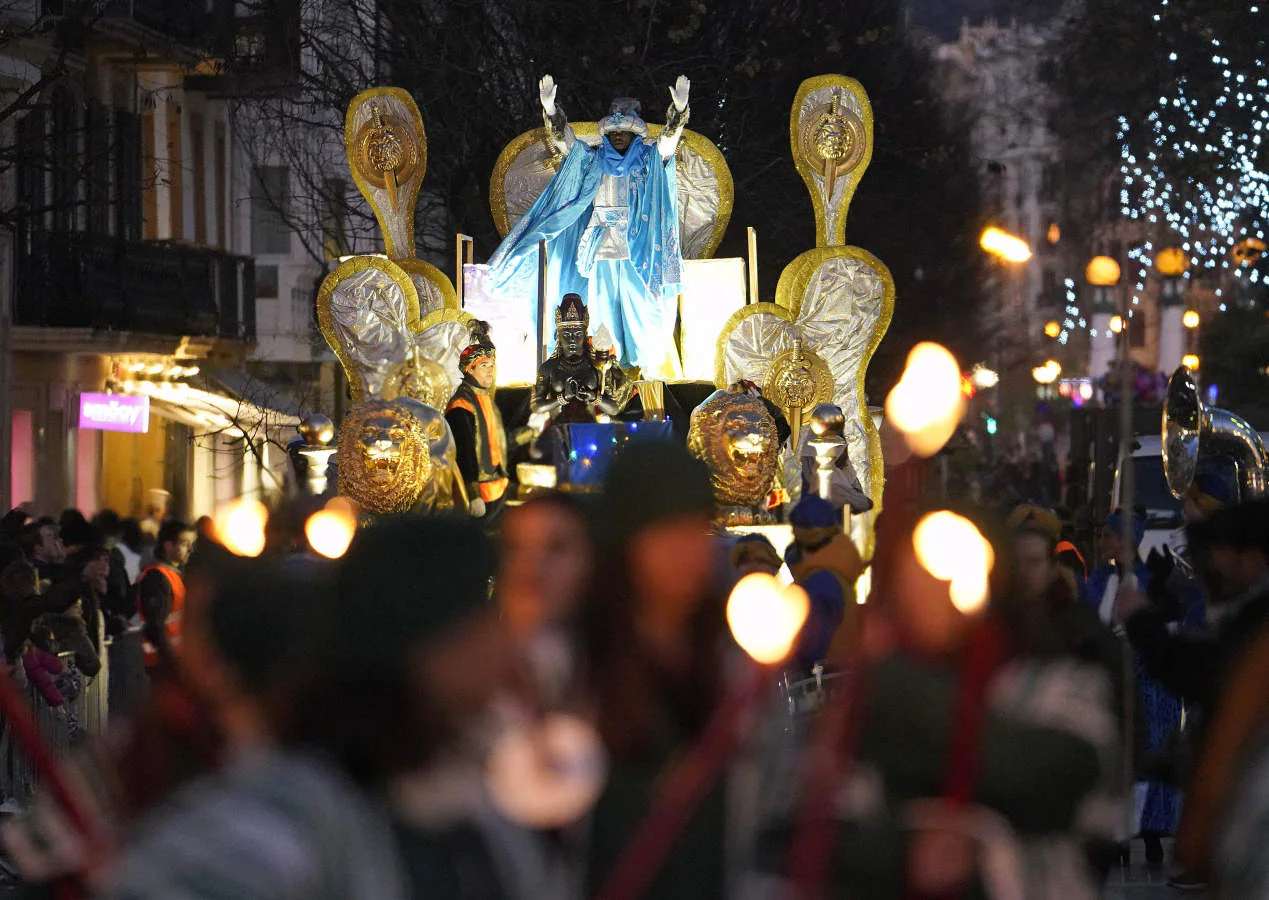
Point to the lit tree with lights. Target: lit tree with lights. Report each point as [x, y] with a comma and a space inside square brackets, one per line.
[1196, 163]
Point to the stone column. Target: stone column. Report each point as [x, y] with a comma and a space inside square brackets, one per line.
[1101, 351]
[1171, 328]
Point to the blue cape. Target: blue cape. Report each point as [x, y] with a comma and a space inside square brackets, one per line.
[650, 279]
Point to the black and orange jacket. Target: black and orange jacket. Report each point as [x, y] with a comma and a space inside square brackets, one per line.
[480, 441]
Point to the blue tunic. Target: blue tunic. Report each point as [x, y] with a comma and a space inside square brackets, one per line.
[1162, 712]
[636, 298]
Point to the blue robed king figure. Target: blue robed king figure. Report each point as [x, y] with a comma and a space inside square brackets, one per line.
[610, 221]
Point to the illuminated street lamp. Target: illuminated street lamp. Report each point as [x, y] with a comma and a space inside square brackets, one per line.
[1172, 264]
[1190, 361]
[1102, 275]
[1047, 373]
[1190, 319]
[1102, 271]
[1004, 245]
[1052, 328]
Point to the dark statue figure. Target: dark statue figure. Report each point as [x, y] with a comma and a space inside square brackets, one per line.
[578, 382]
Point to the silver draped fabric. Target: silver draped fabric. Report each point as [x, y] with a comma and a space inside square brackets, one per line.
[844, 300]
[430, 296]
[372, 321]
[370, 316]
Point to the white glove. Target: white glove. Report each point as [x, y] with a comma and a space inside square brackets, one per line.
[476, 508]
[678, 93]
[546, 93]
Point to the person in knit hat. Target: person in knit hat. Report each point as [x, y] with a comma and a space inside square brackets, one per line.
[825, 562]
[653, 635]
[754, 553]
[409, 672]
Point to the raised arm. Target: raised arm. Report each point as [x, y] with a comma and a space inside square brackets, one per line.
[559, 134]
[675, 118]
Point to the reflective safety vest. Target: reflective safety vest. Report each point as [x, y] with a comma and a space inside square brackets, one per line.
[172, 625]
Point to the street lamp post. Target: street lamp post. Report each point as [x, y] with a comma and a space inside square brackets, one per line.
[1012, 252]
[1172, 265]
[1102, 274]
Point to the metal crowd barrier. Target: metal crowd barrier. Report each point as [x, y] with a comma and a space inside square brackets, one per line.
[83, 715]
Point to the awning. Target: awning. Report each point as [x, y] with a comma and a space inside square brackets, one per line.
[212, 411]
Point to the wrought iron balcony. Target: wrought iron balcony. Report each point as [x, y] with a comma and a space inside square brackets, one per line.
[80, 280]
[184, 22]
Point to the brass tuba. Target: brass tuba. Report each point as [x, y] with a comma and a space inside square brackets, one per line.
[1193, 431]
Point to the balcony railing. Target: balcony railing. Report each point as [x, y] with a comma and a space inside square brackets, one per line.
[183, 21]
[79, 280]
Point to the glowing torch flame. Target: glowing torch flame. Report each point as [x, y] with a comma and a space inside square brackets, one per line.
[240, 526]
[766, 616]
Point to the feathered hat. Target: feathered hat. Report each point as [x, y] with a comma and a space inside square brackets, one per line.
[624, 116]
[478, 348]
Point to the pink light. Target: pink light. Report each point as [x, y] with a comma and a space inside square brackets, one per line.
[22, 458]
[87, 444]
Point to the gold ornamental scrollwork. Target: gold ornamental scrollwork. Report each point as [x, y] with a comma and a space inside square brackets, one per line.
[831, 137]
[386, 147]
[798, 381]
[386, 154]
[834, 142]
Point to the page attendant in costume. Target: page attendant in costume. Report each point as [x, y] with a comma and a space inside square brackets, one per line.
[479, 438]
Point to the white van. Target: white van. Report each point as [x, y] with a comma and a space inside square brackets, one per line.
[1163, 511]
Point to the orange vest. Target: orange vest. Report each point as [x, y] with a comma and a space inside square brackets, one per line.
[173, 623]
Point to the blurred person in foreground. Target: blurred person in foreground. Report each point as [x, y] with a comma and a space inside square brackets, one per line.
[1216, 675]
[962, 742]
[754, 553]
[1050, 627]
[655, 637]
[405, 694]
[1157, 801]
[265, 821]
[546, 560]
[278, 821]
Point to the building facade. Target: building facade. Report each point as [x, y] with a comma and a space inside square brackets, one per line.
[128, 263]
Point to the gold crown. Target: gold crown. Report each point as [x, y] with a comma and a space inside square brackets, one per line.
[571, 311]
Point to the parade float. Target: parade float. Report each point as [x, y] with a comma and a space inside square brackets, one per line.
[606, 305]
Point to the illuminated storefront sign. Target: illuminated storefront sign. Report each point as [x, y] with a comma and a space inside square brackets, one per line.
[114, 412]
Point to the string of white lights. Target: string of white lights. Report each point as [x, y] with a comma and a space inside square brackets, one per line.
[1220, 137]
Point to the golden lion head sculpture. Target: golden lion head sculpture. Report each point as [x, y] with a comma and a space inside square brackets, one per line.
[385, 456]
[735, 436]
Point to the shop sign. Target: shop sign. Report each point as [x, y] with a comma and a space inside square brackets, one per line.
[114, 412]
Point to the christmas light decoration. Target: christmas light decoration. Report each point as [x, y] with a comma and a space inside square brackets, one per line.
[1214, 130]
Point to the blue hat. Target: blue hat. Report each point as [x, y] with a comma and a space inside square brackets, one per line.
[813, 511]
[1212, 485]
[1115, 522]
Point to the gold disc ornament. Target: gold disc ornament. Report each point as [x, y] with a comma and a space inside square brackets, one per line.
[834, 141]
[798, 381]
[386, 153]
